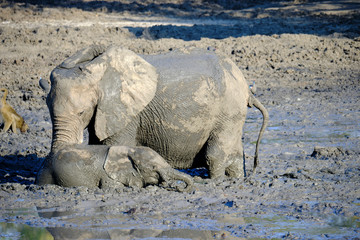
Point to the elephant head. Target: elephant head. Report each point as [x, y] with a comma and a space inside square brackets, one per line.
[109, 86]
[142, 166]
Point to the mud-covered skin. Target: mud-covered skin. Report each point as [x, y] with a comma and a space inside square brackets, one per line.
[189, 105]
[201, 104]
[294, 57]
[105, 167]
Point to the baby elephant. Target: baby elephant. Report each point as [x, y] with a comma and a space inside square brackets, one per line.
[103, 166]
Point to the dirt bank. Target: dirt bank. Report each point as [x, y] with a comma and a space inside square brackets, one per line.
[304, 57]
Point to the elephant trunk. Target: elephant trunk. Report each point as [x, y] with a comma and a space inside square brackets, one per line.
[66, 131]
[173, 174]
[265, 114]
[84, 55]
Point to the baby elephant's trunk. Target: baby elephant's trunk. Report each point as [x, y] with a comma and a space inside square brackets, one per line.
[254, 102]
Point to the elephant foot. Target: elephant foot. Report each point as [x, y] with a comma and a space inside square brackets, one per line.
[236, 170]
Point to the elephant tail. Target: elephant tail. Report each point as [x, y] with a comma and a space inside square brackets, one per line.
[254, 102]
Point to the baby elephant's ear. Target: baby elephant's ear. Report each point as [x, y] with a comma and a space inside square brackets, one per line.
[117, 162]
[128, 85]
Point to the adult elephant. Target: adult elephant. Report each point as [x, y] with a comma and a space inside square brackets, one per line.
[188, 105]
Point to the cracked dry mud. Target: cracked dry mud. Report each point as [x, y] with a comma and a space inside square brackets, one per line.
[304, 57]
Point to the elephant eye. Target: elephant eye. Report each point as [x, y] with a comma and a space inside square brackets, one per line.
[81, 113]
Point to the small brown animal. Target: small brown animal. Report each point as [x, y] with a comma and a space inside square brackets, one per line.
[11, 118]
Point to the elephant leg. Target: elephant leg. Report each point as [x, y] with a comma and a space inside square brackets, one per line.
[215, 159]
[237, 168]
[45, 174]
[224, 152]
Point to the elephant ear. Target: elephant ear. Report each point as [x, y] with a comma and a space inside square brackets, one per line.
[84, 55]
[128, 84]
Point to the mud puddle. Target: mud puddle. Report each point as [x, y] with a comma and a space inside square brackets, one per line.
[97, 222]
[23, 231]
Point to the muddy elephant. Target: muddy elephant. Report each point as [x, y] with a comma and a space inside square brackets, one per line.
[110, 167]
[187, 105]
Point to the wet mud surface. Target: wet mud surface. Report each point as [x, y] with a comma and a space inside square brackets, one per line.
[304, 57]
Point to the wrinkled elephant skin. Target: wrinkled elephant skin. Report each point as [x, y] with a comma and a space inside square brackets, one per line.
[188, 105]
[104, 167]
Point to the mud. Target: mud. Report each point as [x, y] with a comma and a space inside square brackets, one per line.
[304, 57]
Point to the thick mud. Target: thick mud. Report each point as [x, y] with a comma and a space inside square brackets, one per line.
[304, 57]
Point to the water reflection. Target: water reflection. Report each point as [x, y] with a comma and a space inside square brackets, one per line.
[23, 231]
[66, 233]
[98, 223]
[102, 224]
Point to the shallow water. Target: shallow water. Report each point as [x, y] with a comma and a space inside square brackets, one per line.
[22, 231]
[97, 222]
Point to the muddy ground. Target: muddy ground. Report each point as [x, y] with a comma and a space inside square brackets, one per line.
[305, 58]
